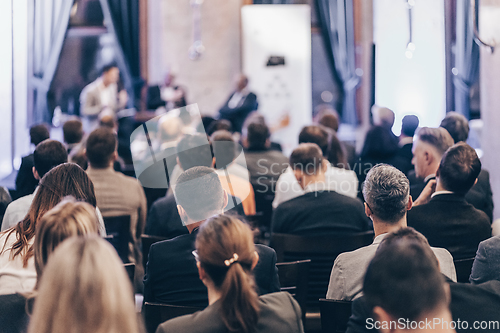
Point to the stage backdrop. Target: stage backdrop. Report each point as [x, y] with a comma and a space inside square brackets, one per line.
[277, 60]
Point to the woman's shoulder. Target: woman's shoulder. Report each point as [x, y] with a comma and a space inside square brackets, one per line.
[207, 320]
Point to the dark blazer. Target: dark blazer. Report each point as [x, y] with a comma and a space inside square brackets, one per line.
[450, 222]
[486, 265]
[279, 313]
[480, 195]
[164, 220]
[238, 115]
[25, 181]
[13, 316]
[469, 303]
[172, 276]
[316, 213]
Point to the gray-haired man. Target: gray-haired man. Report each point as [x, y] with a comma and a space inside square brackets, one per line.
[387, 199]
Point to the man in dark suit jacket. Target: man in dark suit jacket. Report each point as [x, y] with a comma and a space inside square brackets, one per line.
[239, 105]
[25, 180]
[319, 210]
[447, 220]
[171, 273]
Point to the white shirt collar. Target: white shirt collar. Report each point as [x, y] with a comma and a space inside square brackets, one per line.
[432, 175]
[317, 187]
[440, 192]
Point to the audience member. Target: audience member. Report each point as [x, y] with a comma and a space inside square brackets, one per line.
[94, 293]
[320, 210]
[169, 95]
[387, 199]
[337, 179]
[68, 218]
[171, 273]
[25, 180]
[428, 148]
[264, 164]
[239, 105]
[225, 152]
[470, 304]
[447, 220]
[17, 265]
[408, 127]
[486, 265]
[116, 194]
[5, 200]
[219, 125]
[73, 134]
[47, 155]
[225, 257]
[402, 288]
[480, 195]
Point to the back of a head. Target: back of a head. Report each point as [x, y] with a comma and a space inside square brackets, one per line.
[379, 143]
[193, 151]
[94, 293]
[257, 135]
[48, 154]
[38, 133]
[459, 168]
[226, 252]
[68, 218]
[404, 278]
[73, 131]
[101, 145]
[409, 125]
[457, 125]
[315, 134]
[387, 192]
[329, 119]
[307, 158]
[169, 128]
[439, 138]
[383, 116]
[224, 148]
[219, 125]
[199, 191]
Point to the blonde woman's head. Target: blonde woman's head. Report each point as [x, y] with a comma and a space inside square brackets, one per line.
[84, 288]
[66, 219]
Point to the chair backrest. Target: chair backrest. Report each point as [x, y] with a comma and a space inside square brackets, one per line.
[146, 242]
[463, 267]
[119, 228]
[334, 315]
[322, 250]
[157, 313]
[293, 279]
[130, 268]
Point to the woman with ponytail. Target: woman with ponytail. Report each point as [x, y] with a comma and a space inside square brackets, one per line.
[225, 255]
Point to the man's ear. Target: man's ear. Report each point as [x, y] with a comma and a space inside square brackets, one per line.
[475, 182]
[298, 175]
[410, 203]
[179, 163]
[244, 141]
[37, 176]
[201, 272]
[324, 165]
[382, 316]
[368, 211]
[182, 213]
[428, 157]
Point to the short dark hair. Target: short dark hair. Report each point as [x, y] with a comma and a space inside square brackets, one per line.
[387, 191]
[106, 68]
[439, 138]
[38, 133]
[257, 135]
[409, 125]
[329, 119]
[457, 125]
[315, 134]
[307, 157]
[101, 144]
[47, 155]
[199, 191]
[459, 168]
[403, 278]
[193, 151]
[219, 125]
[73, 131]
[224, 148]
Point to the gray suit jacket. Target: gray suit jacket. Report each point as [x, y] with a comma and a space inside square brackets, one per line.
[486, 265]
[348, 272]
[90, 99]
[279, 313]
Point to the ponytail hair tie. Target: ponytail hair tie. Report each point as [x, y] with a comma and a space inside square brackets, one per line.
[229, 262]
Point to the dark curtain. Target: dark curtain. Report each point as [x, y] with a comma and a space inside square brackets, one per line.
[125, 15]
[466, 57]
[50, 22]
[337, 25]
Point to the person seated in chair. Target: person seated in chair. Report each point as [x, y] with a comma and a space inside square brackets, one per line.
[171, 272]
[320, 210]
[387, 199]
